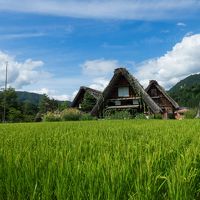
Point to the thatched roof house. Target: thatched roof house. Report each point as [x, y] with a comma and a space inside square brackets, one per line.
[124, 92]
[161, 98]
[80, 95]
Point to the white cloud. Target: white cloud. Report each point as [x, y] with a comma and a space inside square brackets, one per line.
[181, 24]
[97, 73]
[189, 33]
[99, 67]
[117, 9]
[21, 36]
[41, 91]
[74, 94]
[99, 83]
[20, 73]
[182, 60]
[52, 94]
[60, 88]
[29, 76]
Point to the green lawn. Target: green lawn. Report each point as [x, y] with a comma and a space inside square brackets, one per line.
[133, 159]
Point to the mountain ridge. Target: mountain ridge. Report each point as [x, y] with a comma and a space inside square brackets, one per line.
[187, 91]
[32, 97]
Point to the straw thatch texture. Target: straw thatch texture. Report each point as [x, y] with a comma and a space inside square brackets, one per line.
[154, 83]
[133, 82]
[95, 93]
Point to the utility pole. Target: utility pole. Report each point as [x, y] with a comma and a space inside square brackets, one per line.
[5, 89]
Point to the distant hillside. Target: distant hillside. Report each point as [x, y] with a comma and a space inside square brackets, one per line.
[33, 98]
[28, 96]
[187, 91]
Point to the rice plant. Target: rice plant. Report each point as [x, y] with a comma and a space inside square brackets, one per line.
[133, 159]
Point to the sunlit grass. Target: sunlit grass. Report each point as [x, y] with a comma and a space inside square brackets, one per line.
[134, 159]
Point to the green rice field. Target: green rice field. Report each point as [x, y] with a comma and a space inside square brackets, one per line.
[127, 159]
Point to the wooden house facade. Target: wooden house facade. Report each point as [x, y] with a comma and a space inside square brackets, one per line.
[124, 92]
[161, 98]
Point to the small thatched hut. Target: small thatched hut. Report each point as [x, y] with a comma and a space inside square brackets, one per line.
[124, 92]
[161, 98]
[80, 96]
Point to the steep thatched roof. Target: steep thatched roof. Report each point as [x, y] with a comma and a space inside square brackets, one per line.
[95, 93]
[154, 83]
[138, 89]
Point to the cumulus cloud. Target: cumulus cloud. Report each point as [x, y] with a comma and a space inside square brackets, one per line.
[99, 67]
[189, 33]
[117, 9]
[52, 94]
[181, 61]
[97, 73]
[99, 83]
[20, 73]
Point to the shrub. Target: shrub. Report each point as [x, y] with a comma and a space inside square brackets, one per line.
[38, 117]
[191, 114]
[14, 115]
[52, 117]
[155, 116]
[87, 116]
[71, 114]
[28, 118]
[171, 116]
[118, 115]
[140, 116]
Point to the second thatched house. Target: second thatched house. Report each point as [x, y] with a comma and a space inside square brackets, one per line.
[85, 99]
[161, 98]
[125, 92]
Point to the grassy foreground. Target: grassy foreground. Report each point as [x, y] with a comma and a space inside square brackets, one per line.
[100, 160]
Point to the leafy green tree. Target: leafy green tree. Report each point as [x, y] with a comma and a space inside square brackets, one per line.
[47, 105]
[14, 115]
[44, 104]
[53, 105]
[88, 102]
[29, 111]
[62, 106]
[28, 108]
[8, 99]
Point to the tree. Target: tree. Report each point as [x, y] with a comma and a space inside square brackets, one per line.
[62, 106]
[47, 105]
[8, 98]
[44, 104]
[29, 111]
[14, 115]
[88, 102]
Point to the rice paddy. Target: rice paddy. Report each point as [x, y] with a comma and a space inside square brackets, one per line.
[133, 159]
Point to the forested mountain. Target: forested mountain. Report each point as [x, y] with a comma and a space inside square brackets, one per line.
[33, 98]
[187, 91]
[28, 96]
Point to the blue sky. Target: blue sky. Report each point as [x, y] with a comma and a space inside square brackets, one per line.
[54, 47]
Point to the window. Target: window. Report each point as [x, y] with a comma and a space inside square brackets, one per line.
[123, 91]
[118, 103]
[135, 102]
[153, 92]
